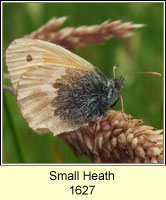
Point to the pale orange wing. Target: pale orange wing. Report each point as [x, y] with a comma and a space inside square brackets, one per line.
[34, 66]
[23, 54]
[34, 95]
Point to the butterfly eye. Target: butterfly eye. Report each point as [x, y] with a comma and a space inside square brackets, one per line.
[119, 83]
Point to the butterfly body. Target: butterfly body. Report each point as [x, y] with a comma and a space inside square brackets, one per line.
[57, 91]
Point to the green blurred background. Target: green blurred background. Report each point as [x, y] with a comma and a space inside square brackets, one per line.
[142, 94]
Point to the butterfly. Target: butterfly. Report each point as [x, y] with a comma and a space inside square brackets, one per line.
[56, 90]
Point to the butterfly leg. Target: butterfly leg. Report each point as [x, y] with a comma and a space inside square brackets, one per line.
[115, 102]
[121, 99]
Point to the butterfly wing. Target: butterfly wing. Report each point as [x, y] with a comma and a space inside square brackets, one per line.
[23, 54]
[35, 94]
[34, 67]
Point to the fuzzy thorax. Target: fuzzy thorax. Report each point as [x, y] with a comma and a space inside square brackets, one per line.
[82, 95]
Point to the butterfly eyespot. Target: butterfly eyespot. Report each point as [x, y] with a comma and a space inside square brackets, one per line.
[29, 58]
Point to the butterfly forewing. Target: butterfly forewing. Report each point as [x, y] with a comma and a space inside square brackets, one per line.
[23, 54]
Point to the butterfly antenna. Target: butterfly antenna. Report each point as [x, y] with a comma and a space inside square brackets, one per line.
[114, 69]
[151, 73]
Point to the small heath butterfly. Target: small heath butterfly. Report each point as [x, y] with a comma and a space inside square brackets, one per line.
[56, 90]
